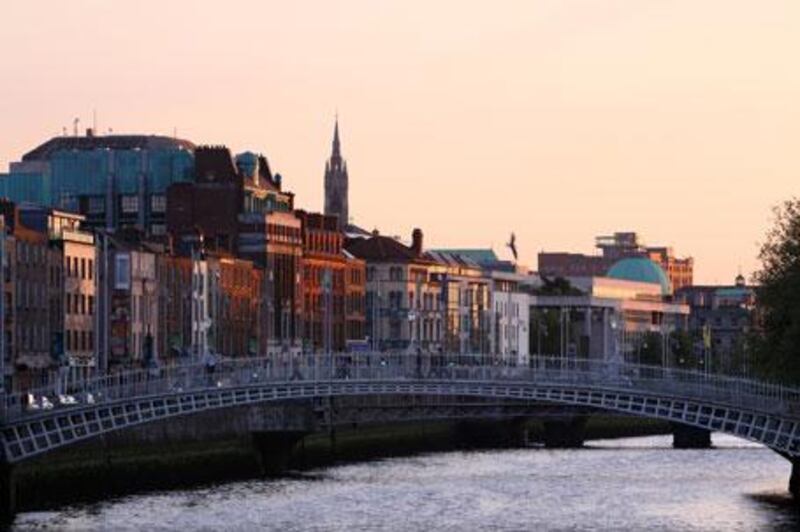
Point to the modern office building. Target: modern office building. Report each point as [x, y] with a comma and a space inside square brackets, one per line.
[612, 248]
[627, 315]
[115, 181]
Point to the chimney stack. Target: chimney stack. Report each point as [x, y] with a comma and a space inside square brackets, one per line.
[416, 241]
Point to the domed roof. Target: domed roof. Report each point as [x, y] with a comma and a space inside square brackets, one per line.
[642, 270]
[247, 163]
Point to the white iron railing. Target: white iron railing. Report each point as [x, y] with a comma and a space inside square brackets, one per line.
[382, 367]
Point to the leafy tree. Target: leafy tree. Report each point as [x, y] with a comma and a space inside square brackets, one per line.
[683, 352]
[556, 287]
[545, 331]
[650, 349]
[777, 347]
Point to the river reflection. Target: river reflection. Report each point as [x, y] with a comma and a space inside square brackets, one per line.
[629, 484]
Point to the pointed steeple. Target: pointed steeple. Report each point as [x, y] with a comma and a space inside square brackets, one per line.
[336, 181]
[336, 138]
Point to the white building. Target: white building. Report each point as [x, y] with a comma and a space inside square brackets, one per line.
[511, 317]
[611, 318]
[200, 305]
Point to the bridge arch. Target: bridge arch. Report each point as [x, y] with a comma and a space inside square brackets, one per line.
[34, 435]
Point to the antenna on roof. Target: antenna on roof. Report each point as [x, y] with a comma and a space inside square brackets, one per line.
[64, 131]
[75, 123]
[94, 119]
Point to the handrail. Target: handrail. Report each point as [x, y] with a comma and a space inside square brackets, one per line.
[368, 367]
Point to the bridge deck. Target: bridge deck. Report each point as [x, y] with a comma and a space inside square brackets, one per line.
[64, 413]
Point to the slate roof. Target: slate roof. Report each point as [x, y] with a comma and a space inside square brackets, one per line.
[379, 248]
[114, 142]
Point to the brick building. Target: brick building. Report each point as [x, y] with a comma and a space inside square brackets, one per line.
[333, 286]
[241, 210]
[49, 299]
[73, 282]
[32, 284]
[236, 303]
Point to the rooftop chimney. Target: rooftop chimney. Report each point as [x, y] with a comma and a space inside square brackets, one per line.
[416, 241]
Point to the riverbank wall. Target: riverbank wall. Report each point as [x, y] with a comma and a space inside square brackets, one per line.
[226, 446]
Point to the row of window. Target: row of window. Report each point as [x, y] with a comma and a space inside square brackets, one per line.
[503, 308]
[317, 276]
[395, 300]
[397, 273]
[283, 232]
[79, 304]
[32, 337]
[28, 253]
[129, 204]
[31, 294]
[324, 242]
[78, 340]
[82, 267]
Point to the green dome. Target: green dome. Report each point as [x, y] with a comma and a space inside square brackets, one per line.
[641, 270]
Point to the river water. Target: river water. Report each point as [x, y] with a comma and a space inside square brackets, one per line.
[629, 484]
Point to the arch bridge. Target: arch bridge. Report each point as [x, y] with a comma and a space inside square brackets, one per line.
[49, 418]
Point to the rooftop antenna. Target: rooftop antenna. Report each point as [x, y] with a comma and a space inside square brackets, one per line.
[75, 123]
[94, 119]
[64, 131]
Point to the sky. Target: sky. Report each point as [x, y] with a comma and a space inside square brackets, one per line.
[559, 120]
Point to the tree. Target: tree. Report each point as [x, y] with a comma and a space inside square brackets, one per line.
[650, 349]
[682, 345]
[777, 347]
[556, 287]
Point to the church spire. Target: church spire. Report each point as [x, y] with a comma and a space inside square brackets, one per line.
[336, 138]
[336, 182]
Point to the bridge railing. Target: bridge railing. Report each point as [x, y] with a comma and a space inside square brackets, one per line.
[371, 367]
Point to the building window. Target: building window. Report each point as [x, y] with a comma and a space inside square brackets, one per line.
[158, 229]
[158, 203]
[130, 204]
[122, 271]
[97, 205]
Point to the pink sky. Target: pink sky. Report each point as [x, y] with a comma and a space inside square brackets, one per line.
[559, 120]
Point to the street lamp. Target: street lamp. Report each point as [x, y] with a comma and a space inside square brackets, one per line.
[2, 306]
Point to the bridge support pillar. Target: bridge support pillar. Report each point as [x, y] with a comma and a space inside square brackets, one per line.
[794, 481]
[495, 433]
[8, 494]
[688, 437]
[274, 449]
[564, 433]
